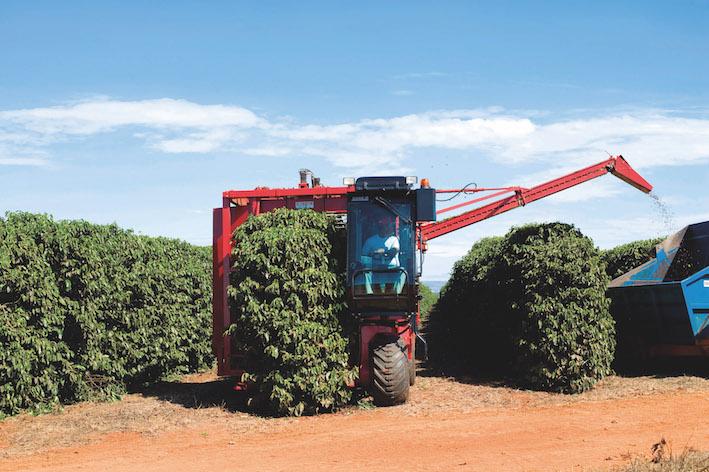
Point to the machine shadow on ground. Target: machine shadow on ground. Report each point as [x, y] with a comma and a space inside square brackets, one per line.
[212, 393]
[666, 367]
[661, 368]
[426, 369]
[219, 392]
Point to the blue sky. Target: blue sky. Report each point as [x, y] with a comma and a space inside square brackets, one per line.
[143, 114]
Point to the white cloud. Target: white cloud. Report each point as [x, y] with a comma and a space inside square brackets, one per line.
[432, 130]
[332, 133]
[99, 116]
[402, 93]
[22, 161]
[198, 142]
[593, 190]
[590, 190]
[608, 233]
[268, 151]
[19, 155]
[647, 138]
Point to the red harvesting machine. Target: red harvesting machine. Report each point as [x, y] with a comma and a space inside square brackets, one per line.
[389, 223]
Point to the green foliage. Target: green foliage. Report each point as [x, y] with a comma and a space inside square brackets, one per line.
[86, 310]
[428, 299]
[531, 305]
[288, 312]
[557, 281]
[625, 257]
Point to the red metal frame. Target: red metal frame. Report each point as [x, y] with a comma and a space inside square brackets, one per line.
[237, 205]
[367, 334]
[617, 165]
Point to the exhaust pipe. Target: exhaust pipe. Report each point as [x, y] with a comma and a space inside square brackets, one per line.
[304, 178]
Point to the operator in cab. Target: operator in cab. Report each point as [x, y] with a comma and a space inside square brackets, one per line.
[383, 246]
[381, 252]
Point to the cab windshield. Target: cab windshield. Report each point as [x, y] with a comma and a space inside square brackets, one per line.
[380, 247]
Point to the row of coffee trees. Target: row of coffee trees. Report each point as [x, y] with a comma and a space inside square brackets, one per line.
[88, 311]
[531, 307]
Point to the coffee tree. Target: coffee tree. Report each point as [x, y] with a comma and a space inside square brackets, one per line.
[87, 310]
[531, 306]
[621, 259]
[288, 311]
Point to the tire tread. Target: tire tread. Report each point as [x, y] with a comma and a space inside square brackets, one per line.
[390, 373]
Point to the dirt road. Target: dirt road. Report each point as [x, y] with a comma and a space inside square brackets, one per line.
[507, 430]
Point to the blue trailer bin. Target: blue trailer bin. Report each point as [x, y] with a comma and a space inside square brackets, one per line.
[663, 305]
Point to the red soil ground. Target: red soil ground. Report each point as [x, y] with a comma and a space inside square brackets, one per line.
[448, 425]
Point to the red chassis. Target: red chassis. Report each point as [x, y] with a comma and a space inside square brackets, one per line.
[237, 205]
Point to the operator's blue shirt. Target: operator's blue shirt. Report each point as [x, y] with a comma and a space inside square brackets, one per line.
[387, 243]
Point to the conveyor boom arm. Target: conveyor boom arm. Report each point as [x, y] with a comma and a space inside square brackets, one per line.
[616, 165]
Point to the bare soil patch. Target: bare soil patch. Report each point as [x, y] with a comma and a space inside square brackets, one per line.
[192, 401]
[198, 423]
[465, 394]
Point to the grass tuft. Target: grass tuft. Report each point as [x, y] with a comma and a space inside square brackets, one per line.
[664, 460]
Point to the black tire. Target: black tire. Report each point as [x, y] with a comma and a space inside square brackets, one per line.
[390, 373]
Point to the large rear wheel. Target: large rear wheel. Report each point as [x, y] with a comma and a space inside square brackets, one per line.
[390, 372]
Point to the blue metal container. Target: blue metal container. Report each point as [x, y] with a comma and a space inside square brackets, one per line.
[664, 303]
